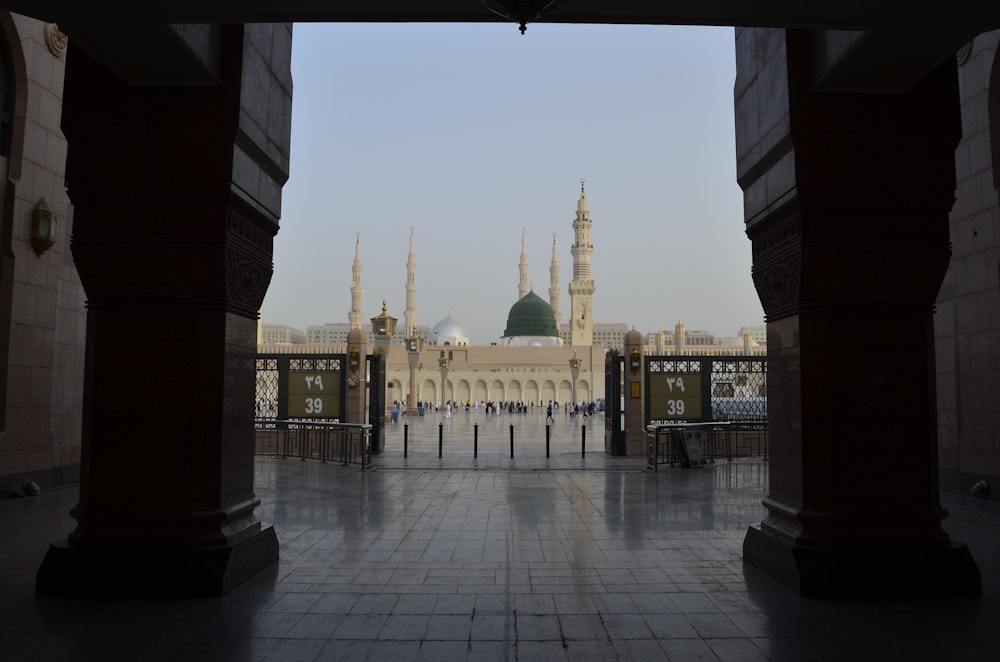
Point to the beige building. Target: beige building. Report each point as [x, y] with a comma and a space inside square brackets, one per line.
[336, 333]
[610, 336]
[280, 334]
[681, 341]
[477, 374]
[531, 363]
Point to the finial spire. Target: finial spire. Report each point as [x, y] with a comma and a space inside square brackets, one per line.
[582, 182]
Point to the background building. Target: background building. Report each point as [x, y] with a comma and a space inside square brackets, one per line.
[609, 336]
[336, 333]
[281, 334]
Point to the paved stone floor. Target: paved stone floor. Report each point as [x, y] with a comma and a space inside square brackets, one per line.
[489, 558]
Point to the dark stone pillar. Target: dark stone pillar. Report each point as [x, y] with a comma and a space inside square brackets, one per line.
[847, 207]
[177, 195]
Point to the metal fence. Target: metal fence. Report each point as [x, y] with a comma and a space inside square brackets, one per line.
[346, 443]
[705, 388]
[716, 440]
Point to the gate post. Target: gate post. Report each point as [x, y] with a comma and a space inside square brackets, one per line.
[356, 400]
[635, 420]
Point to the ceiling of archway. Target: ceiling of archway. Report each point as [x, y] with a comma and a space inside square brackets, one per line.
[863, 45]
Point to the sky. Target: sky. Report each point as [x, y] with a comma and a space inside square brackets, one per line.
[469, 134]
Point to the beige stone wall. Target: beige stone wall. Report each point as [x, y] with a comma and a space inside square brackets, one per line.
[499, 373]
[45, 358]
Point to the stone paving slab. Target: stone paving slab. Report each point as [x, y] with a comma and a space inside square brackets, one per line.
[557, 560]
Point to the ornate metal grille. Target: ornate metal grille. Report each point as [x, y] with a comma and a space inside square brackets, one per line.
[267, 388]
[739, 389]
[706, 388]
[300, 387]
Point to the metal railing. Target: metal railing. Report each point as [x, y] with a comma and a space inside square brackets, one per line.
[524, 442]
[717, 440]
[347, 443]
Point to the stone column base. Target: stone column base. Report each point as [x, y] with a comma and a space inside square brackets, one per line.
[813, 572]
[188, 573]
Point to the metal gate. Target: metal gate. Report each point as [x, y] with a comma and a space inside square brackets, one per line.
[705, 388]
[376, 401]
[300, 387]
[614, 430]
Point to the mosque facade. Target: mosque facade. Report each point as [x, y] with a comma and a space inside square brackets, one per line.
[532, 362]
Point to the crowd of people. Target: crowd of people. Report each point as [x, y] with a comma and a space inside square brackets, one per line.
[495, 408]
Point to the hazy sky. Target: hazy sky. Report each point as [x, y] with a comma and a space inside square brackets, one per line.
[469, 133]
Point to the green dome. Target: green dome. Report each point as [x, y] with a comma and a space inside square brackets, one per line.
[531, 316]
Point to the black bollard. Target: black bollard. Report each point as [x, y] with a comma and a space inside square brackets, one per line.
[440, 439]
[512, 442]
[475, 441]
[546, 440]
[583, 441]
[406, 432]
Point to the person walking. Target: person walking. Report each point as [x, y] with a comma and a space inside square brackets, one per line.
[548, 414]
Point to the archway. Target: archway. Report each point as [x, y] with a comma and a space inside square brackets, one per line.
[793, 166]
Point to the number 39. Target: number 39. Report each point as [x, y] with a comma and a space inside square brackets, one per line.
[314, 405]
[675, 407]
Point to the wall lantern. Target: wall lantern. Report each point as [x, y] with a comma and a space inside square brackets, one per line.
[44, 226]
[354, 359]
[636, 359]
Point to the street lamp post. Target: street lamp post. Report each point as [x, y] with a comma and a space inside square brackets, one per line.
[574, 369]
[443, 364]
[413, 346]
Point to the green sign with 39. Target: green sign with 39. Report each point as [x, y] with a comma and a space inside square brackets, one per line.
[314, 394]
[675, 396]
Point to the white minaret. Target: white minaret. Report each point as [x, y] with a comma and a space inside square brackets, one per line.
[410, 315]
[581, 288]
[680, 337]
[554, 284]
[523, 287]
[356, 317]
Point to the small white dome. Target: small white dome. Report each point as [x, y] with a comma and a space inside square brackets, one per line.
[448, 332]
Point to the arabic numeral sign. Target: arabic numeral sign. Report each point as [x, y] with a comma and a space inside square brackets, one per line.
[675, 396]
[314, 394]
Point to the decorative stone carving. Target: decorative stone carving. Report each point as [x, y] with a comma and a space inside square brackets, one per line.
[777, 264]
[247, 279]
[777, 282]
[249, 249]
[56, 40]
